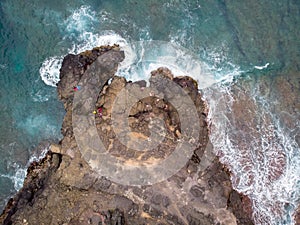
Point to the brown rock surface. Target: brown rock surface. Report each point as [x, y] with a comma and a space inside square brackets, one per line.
[297, 216]
[63, 189]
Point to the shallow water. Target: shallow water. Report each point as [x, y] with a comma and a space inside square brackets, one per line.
[256, 136]
[243, 49]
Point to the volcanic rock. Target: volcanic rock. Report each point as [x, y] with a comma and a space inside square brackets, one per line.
[64, 189]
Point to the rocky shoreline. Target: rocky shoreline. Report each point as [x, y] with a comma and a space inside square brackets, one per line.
[63, 189]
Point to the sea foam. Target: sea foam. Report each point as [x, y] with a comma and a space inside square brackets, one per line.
[20, 172]
[262, 67]
[79, 30]
[254, 155]
[262, 155]
[49, 70]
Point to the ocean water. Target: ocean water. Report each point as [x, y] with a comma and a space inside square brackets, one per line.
[248, 73]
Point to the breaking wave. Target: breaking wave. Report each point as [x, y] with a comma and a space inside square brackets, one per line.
[248, 136]
[263, 156]
[78, 29]
[20, 172]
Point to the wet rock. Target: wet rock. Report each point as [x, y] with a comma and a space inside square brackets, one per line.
[242, 207]
[63, 189]
[74, 66]
[297, 216]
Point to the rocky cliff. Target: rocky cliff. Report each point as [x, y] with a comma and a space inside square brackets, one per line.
[66, 187]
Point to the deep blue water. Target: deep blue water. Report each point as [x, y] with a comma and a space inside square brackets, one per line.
[234, 39]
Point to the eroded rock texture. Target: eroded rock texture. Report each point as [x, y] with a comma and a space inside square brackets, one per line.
[63, 189]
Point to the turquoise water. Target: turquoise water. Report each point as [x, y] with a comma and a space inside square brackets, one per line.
[248, 42]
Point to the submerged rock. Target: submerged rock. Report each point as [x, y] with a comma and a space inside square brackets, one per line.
[297, 216]
[64, 189]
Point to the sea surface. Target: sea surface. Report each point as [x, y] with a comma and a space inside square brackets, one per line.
[249, 52]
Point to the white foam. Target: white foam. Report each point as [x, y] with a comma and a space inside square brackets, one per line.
[38, 155]
[17, 179]
[262, 67]
[141, 58]
[79, 29]
[219, 64]
[20, 174]
[49, 70]
[146, 56]
[80, 20]
[40, 97]
[80, 26]
[39, 124]
[256, 155]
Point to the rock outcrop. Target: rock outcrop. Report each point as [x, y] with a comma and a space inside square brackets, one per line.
[297, 216]
[64, 189]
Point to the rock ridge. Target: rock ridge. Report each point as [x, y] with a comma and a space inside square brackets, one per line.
[63, 189]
